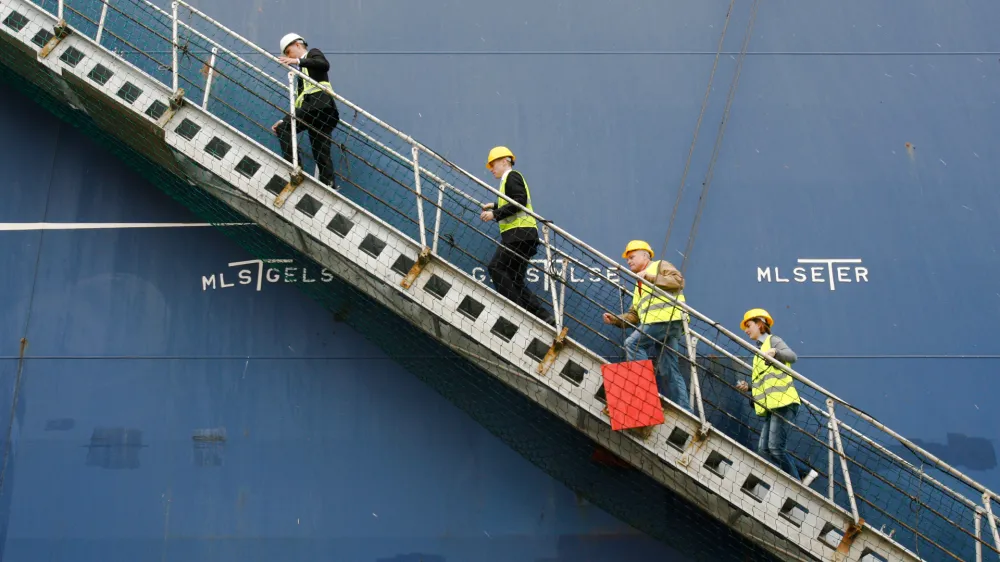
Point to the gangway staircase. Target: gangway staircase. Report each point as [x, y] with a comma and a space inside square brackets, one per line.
[189, 103]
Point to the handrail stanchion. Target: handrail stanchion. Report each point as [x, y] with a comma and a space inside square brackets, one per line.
[831, 476]
[415, 152]
[173, 46]
[987, 500]
[692, 346]
[291, 119]
[562, 292]
[100, 22]
[549, 270]
[59, 10]
[978, 518]
[208, 78]
[437, 218]
[843, 461]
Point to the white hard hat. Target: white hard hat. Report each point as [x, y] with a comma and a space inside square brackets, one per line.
[287, 40]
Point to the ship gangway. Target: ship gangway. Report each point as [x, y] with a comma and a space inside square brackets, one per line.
[190, 103]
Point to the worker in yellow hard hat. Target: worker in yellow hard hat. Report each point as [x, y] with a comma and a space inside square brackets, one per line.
[657, 319]
[518, 233]
[315, 109]
[774, 396]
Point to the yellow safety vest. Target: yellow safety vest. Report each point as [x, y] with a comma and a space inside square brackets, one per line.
[520, 219]
[651, 308]
[772, 388]
[309, 88]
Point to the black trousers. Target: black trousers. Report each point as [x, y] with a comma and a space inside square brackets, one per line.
[507, 271]
[319, 116]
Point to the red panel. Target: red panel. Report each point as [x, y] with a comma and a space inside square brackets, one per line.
[633, 400]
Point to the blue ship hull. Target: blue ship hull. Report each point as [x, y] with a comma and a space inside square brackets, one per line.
[166, 397]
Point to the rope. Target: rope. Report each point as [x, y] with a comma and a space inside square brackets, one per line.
[697, 127]
[718, 140]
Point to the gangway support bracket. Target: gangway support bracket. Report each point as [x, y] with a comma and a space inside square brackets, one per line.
[174, 104]
[640, 432]
[553, 352]
[418, 266]
[697, 441]
[850, 534]
[62, 31]
[294, 181]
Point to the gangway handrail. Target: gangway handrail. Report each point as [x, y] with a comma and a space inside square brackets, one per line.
[609, 261]
[987, 495]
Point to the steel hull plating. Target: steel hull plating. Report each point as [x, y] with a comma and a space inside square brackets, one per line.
[163, 400]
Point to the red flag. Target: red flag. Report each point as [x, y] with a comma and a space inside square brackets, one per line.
[633, 400]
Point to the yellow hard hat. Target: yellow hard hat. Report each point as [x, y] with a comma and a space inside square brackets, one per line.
[756, 313]
[498, 152]
[637, 245]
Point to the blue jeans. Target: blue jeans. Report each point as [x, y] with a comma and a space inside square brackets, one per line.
[774, 437]
[639, 347]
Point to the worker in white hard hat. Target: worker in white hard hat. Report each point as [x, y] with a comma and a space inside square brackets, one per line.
[315, 109]
[658, 321]
[774, 396]
[518, 233]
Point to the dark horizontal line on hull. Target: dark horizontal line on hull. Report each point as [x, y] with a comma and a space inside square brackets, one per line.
[644, 53]
[382, 357]
[218, 357]
[957, 356]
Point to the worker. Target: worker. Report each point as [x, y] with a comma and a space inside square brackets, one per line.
[314, 108]
[774, 396]
[658, 321]
[518, 233]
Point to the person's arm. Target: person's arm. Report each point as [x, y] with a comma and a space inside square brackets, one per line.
[782, 353]
[620, 320]
[514, 190]
[315, 60]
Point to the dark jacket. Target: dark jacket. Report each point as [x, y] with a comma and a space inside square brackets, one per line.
[514, 191]
[319, 70]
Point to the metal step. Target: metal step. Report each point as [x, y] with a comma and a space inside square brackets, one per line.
[549, 364]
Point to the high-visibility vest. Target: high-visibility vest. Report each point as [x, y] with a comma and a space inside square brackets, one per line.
[652, 308]
[309, 88]
[520, 219]
[772, 388]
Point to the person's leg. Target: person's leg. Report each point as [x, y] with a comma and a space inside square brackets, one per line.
[499, 268]
[634, 351]
[777, 441]
[284, 133]
[670, 366]
[525, 249]
[322, 122]
[651, 342]
[765, 434]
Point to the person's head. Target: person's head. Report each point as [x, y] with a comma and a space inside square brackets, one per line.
[756, 323]
[638, 254]
[638, 260]
[499, 161]
[293, 46]
[756, 328]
